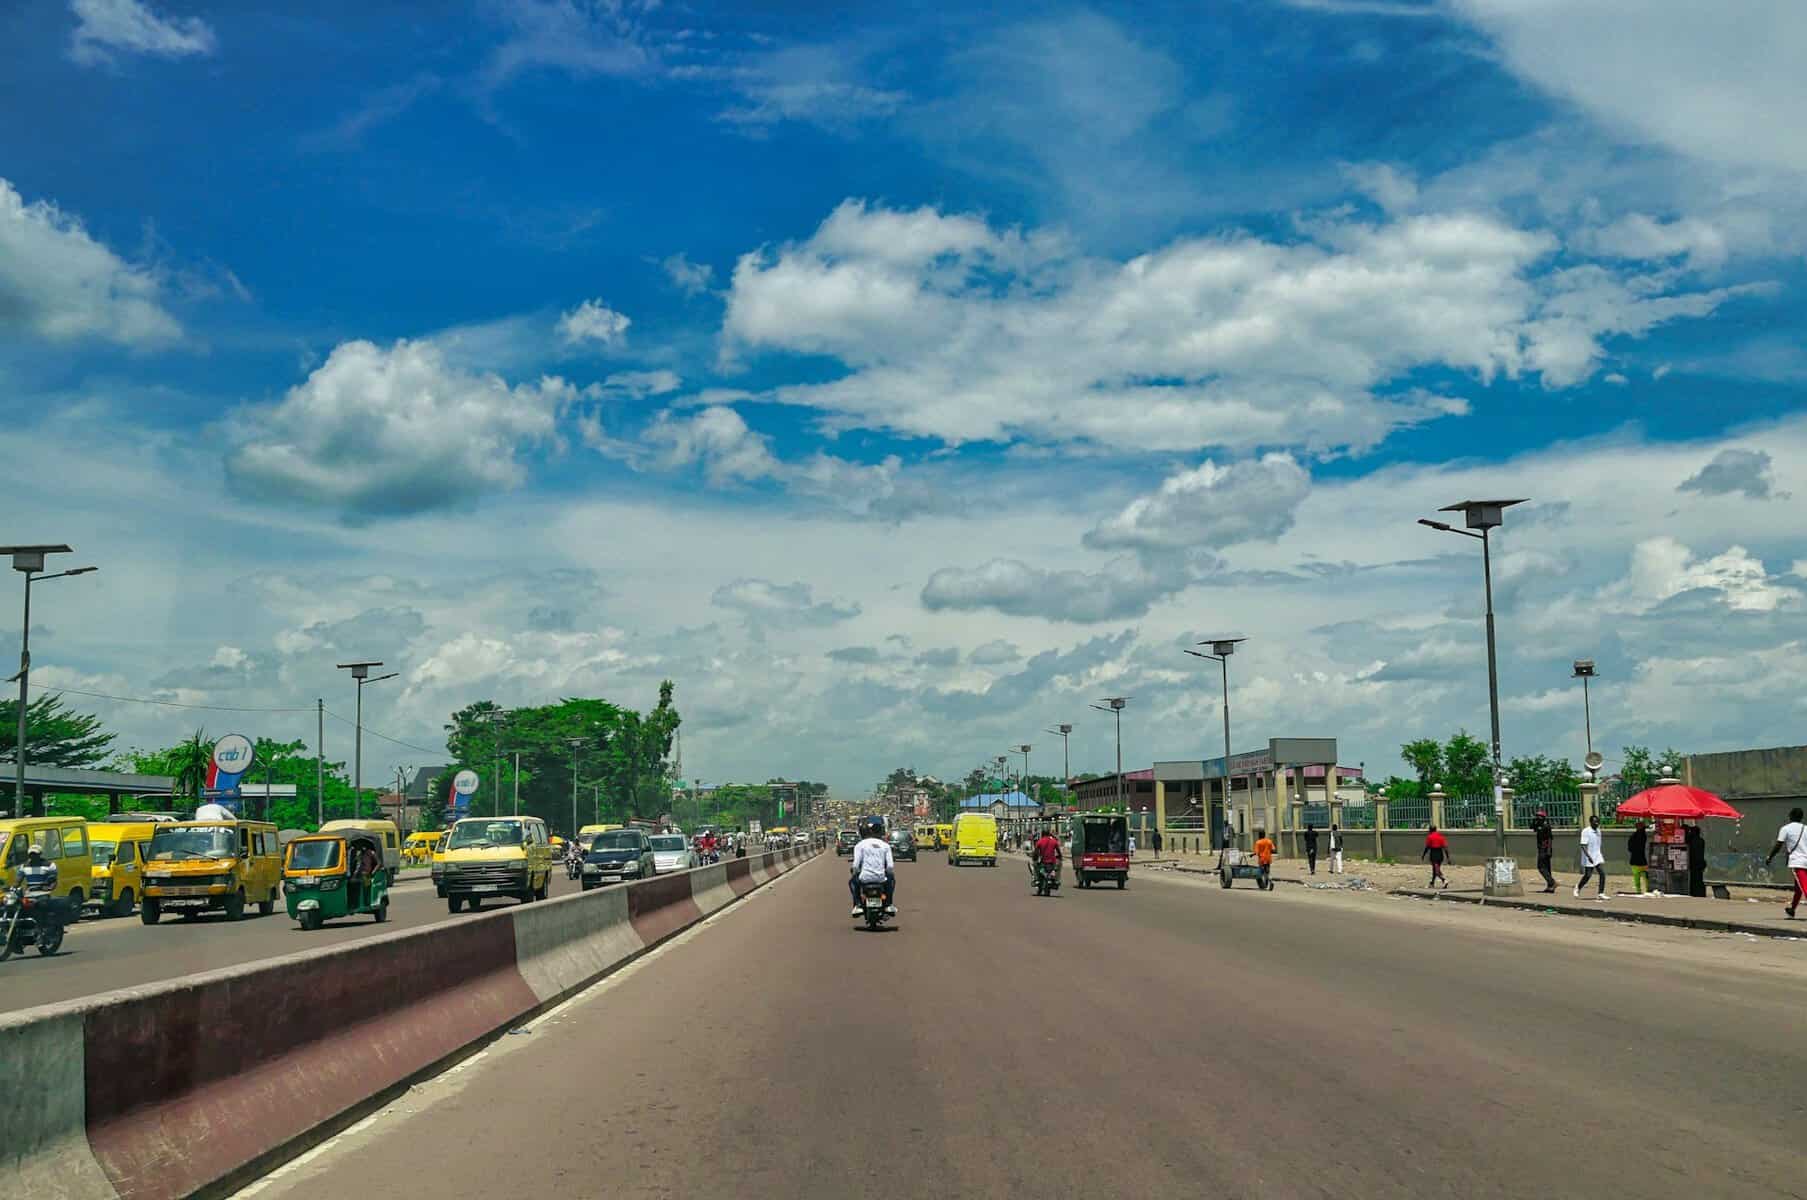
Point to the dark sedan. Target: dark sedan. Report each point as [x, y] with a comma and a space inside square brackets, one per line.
[619, 856]
[845, 841]
[903, 845]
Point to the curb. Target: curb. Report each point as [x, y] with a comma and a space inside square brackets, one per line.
[1213, 871]
[1631, 918]
[152, 1085]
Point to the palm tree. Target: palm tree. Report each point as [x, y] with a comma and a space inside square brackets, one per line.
[188, 762]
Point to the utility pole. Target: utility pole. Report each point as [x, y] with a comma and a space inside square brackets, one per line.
[517, 783]
[1114, 706]
[1066, 761]
[575, 744]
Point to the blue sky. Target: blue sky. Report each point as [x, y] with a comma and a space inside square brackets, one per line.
[896, 383]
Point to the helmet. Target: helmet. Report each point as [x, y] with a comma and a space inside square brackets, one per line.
[872, 828]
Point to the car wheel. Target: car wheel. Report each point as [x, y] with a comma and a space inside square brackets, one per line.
[268, 906]
[77, 898]
[149, 911]
[382, 911]
[235, 905]
[454, 903]
[1122, 883]
[122, 907]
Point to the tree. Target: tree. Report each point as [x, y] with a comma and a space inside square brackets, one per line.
[432, 806]
[188, 762]
[277, 762]
[1536, 774]
[1425, 756]
[55, 735]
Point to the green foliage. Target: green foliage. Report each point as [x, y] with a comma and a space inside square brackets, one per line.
[1539, 774]
[1425, 757]
[277, 762]
[617, 747]
[55, 736]
[1641, 769]
[1466, 768]
[432, 808]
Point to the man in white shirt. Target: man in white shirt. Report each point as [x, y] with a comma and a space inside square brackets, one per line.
[1792, 839]
[872, 863]
[1592, 860]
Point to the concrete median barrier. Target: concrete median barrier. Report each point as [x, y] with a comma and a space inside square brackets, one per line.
[709, 888]
[563, 945]
[200, 1085]
[740, 875]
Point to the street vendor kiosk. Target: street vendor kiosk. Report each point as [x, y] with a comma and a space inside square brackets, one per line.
[1668, 854]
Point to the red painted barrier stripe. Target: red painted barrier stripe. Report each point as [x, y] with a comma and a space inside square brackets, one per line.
[661, 907]
[189, 1085]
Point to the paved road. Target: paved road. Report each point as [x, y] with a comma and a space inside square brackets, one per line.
[102, 954]
[1172, 1040]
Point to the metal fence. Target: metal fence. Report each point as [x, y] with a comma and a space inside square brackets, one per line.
[1612, 794]
[1409, 813]
[1468, 812]
[1314, 814]
[1358, 816]
[1563, 809]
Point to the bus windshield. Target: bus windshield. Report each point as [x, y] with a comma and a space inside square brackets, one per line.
[176, 845]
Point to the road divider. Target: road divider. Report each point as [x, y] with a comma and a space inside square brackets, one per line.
[199, 1085]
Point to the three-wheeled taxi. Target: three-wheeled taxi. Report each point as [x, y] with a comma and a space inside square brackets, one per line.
[336, 873]
[1100, 848]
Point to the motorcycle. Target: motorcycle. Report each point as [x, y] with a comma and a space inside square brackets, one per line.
[1046, 878]
[25, 919]
[872, 904]
[573, 867]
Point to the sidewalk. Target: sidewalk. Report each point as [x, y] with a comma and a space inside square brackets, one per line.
[1754, 911]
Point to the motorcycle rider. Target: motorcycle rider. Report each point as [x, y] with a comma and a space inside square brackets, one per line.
[872, 863]
[38, 878]
[1047, 852]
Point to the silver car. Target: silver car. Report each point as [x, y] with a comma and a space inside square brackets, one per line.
[672, 852]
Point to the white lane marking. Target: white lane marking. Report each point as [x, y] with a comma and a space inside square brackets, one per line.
[444, 1081]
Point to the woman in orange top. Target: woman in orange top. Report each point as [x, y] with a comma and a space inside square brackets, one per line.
[1264, 855]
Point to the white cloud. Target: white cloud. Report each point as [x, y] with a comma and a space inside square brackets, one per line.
[762, 602]
[108, 27]
[952, 329]
[58, 282]
[380, 432]
[1663, 567]
[717, 439]
[1209, 506]
[1119, 591]
[641, 384]
[1392, 189]
[691, 278]
[581, 38]
[1709, 80]
[994, 652]
[593, 321]
[819, 84]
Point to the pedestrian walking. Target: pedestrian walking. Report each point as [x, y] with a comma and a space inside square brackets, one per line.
[1336, 849]
[1697, 861]
[1436, 848]
[1546, 848]
[1311, 847]
[1637, 854]
[1155, 838]
[1264, 856]
[1792, 840]
[1132, 845]
[1592, 860]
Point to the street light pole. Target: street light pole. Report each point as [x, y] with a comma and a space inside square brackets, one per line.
[1066, 761]
[29, 561]
[360, 671]
[1222, 648]
[1584, 671]
[574, 743]
[517, 783]
[1486, 515]
[1114, 706]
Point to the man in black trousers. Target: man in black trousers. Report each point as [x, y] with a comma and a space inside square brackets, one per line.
[1546, 847]
[1311, 847]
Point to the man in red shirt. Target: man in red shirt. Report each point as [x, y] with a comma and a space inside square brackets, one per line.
[1047, 852]
[1436, 848]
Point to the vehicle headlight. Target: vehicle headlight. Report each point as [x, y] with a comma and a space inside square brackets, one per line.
[589, 868]
[632, 868]
[159, 880]
[332, 881]
[223, 880]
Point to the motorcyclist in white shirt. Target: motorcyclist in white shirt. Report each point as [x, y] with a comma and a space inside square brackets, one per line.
[872, 863]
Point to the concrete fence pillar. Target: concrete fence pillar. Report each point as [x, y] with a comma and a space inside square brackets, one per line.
[1380, 822]
[1437, 799]
[1590, 801]
[1506, 794]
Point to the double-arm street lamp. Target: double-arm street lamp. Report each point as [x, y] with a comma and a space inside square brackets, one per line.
[1485, 515]
[360, 671]
[29, 561]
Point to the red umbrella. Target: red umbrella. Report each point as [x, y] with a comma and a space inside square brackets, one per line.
[1677, 800]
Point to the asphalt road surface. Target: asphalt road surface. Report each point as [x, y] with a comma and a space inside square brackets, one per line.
[1171, 1040]
[105, 953]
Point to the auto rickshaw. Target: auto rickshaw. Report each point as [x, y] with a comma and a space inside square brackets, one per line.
[334, 874]
[1100, 848]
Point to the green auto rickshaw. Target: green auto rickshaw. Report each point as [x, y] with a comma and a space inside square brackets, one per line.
[335, 874]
